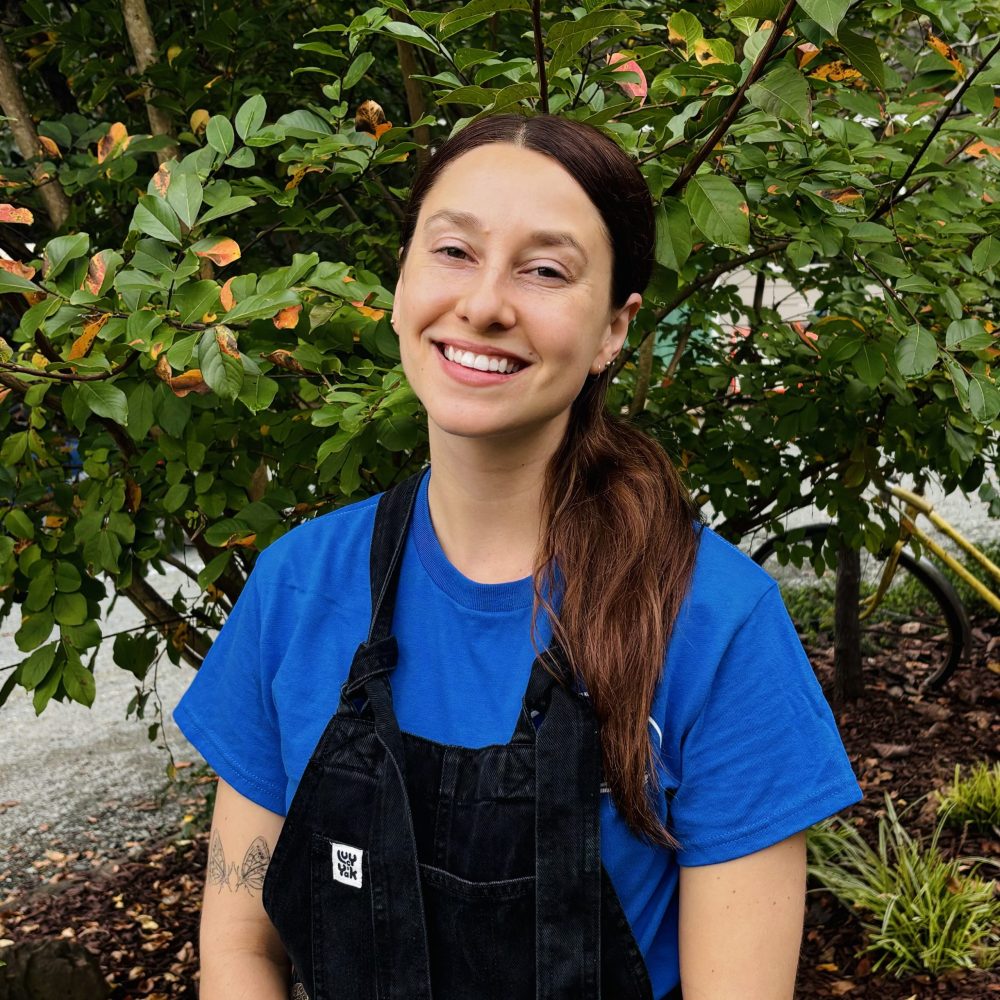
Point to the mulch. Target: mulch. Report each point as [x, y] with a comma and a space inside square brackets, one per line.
[139, 915]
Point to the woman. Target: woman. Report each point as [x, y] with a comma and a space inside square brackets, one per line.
[550, 615]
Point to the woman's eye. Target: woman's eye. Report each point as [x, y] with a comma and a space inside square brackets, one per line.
[552, 272]
[451, 251]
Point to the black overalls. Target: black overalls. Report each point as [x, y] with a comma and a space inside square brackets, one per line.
[411, 870]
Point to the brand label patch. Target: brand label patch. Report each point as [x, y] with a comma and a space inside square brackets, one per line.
[347, 864]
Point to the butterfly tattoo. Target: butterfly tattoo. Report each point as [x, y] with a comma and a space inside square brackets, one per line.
[228, 875]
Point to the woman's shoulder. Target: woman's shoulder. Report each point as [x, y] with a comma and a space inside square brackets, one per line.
[726, 578]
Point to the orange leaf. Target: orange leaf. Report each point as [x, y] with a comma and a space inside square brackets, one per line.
[156, 350]
[807, 52]
[221, 252]
[49, 146]
[295, 178]
[199, 120]
[978, 149]
[287, 318]
[626, 65]
[189, 381]
[381, 129]
[226, 295]
[133, 495]
[83, 343]
[285, 359]
[96, 270]
[943, 49]
[208, 318]
[15, 267]
[842, 196]
[116, 141]
[4, 393]
[53, 521]
[161, 179]
[226, 340]
[22, 216]
[836, 72]
[375, 314]
[237, 540]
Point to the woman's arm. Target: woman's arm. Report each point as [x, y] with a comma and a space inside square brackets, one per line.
[241, 954]
[741, 925]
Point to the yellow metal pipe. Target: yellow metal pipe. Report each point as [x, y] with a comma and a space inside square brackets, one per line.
[949, 560]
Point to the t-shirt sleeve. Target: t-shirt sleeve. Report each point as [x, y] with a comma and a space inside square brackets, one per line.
[763, 758]
[228, 712]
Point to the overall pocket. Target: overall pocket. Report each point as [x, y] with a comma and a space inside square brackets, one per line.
[481, 936]
[341, 907]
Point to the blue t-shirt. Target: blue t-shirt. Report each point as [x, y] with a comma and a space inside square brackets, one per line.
[749, 749]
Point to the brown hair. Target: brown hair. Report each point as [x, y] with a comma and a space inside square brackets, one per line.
[618, 523]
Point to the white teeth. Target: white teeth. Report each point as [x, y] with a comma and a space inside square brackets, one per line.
[480, 362]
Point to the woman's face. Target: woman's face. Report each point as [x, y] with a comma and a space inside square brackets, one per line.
[502, 307]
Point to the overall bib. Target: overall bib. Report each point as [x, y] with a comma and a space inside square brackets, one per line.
[412, 870]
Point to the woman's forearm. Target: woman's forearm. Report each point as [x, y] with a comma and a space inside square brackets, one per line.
[239, 974]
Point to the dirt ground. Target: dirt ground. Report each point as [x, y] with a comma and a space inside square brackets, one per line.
[139, 914]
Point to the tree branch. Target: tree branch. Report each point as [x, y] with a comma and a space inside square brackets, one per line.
[71, 376]
[894, 198]
[193, 645]
[415, 101]
[543, 85]
[643, 375]
[16, 109]
[143, 42]
[691, 167]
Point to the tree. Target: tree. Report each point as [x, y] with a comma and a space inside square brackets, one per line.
[848, 150]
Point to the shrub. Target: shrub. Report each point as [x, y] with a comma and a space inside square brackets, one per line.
[922, 912]
[974, 799]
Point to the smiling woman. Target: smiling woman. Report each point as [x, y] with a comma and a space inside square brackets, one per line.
[519, 727]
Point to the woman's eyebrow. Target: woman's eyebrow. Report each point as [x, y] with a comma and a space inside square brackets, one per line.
[540, 237]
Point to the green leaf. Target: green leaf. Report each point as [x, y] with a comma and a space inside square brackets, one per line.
[826, 13]
[719, 210]
[78, 680]
[969, 334]
[61, 250]
[214, 568]
[260, 306]
[15, 283]
[228, 206]
[303, 124]
[250, 117]
[685, 24]
[784, 93]
[871, 232]
[411, 33]
[67, 577]
[864, 55]
[984, 399]
[34, 630]
[184, 196]
[799, 253]
[195, 298]
[569, 37]
[156, 218]
[34, 669]
[70, 609]
[986, 254]
[222, 373]
[219, 134]
[18, 524]
[105, 400]
[242, 158]
[673, 234]
[356, 70]
[916, 354]
[472, 13]
[767, 9]
[869, 363]
[174, 498]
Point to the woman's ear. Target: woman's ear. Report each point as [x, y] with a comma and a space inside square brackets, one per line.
[617, 332]
[395, 316]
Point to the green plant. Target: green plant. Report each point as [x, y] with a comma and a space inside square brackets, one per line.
[974, 799]
[923, 912]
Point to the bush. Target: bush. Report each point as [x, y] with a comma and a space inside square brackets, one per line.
[974, 799]
[922, 912]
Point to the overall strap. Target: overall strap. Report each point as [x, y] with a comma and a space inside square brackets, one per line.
[377, 655]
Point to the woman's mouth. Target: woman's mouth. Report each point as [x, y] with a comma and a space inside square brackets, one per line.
[501, 364]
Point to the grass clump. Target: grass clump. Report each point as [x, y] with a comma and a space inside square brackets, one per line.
[974, 799]
[922, 912]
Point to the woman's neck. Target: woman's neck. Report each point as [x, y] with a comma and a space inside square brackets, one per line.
[486, 503]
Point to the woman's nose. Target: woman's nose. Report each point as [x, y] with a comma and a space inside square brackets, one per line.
[485, 302]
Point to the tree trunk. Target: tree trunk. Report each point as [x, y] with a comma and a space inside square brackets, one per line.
[415, 102]
[16, 109]
[848, 684]
[643, 375]
[140, 36]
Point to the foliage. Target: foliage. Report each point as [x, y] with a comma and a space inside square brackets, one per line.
[922, 912]
[974, 799]
[200, 358]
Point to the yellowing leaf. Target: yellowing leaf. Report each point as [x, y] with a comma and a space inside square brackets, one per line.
[209, 318]
[295, 177]
[287, 318]
[943, 49]
[222, 252]
[245, 541]
[226, 340]
[96, 271]
[807, 52]
[172, 53]
[161, 179]
[199, 120]
[181, 385]
[226, 295]
[979, 149]
[837, 71]
[49, 146]
[22, 216]
[83, 343]
[375, 314]
[703, 53]
[285, 359]
[113, 143]
[15, 267]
